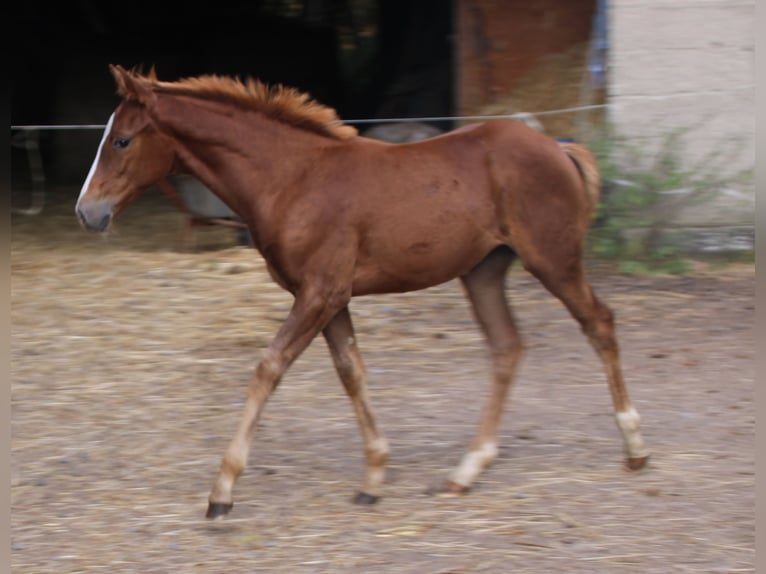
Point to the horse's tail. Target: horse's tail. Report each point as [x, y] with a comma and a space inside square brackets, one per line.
[588, 168]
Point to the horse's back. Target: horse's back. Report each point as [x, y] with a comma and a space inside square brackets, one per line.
[428, 211]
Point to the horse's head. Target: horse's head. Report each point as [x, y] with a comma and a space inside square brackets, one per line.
[132, 156]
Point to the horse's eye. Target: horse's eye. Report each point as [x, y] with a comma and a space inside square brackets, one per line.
[120, 143]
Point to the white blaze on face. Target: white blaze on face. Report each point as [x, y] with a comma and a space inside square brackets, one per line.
[86, 185]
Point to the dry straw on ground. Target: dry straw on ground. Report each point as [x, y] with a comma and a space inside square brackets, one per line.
[129, 367]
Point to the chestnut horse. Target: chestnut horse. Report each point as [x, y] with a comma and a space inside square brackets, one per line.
[336, 215]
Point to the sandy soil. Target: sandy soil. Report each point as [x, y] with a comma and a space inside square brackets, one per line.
[129, 366]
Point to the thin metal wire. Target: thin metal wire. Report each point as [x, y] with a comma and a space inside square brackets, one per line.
[625, 100]
[61, 127]
[518, 115]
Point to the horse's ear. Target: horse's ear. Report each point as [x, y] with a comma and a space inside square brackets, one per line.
[130, 86]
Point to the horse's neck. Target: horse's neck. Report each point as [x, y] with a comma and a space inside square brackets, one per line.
[244, 158]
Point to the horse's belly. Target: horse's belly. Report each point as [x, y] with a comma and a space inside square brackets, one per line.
[421, 237]
[417, 265]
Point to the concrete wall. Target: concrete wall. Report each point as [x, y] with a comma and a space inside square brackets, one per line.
[689, 65]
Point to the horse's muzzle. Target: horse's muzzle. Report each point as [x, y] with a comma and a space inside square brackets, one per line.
[95, 216]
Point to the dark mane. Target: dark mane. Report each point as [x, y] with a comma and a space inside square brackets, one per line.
[279, 102]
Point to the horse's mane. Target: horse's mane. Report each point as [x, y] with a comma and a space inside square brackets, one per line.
[285, 104]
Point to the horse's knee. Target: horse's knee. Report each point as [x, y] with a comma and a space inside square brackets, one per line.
[350, 372]
[506, 355]
[267, 375]
[344, 366]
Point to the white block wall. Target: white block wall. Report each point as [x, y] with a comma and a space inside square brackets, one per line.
[685, 64]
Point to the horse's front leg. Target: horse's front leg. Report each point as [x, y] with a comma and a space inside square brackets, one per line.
[308, 316]
[341, 340]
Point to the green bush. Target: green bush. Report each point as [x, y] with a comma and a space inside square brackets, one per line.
[642, 197]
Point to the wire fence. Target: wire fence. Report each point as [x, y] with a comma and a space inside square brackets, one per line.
[625, 100]
[26, 138]
[518, 116]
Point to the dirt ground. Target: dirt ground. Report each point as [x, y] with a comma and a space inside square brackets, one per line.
[130, 361]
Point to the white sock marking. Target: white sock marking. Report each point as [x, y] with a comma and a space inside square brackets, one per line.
[630, 425]
[473, 463]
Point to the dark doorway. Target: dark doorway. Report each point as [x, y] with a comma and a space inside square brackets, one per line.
[366, 58]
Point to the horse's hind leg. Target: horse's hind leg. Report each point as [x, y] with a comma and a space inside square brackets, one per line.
[570, 284]
[339, 334]
[485, 287]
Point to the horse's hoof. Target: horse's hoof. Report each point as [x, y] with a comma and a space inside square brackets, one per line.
[218, 509]
[449, 489]
[364, 498]
[636, 463]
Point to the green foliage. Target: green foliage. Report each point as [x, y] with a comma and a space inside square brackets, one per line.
[642, 196]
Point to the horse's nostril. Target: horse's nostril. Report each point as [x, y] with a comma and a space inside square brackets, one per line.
[96, 222]
[104, 223]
